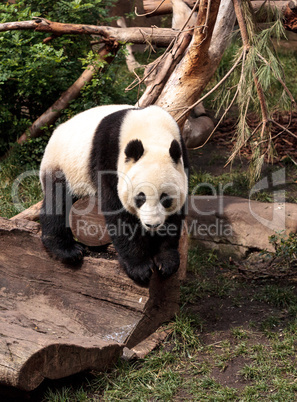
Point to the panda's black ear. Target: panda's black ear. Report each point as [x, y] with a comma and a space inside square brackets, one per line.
[175, 151]
[134, 150]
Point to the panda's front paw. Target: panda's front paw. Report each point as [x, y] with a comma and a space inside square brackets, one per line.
[140, 273]
[71, 253]
[167, 262]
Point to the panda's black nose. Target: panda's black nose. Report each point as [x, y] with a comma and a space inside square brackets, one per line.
[153, 226]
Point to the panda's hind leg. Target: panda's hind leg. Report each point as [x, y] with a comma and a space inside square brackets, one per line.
[54, 219]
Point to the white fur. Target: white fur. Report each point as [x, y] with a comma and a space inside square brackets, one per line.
[69, 148]
[155, 172]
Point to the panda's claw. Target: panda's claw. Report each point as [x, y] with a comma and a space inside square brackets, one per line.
[140, 273]
[167, 262]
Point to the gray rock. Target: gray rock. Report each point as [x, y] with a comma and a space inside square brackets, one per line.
[236, 225]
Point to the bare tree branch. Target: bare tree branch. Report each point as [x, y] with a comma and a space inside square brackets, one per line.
[152, 7]
[158, 36]
[163, 71]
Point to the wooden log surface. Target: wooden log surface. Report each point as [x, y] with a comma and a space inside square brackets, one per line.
[56, 320]
[31, 214]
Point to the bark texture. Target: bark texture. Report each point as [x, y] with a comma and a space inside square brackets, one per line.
[290, 16]
[56, 320]
[200, 60]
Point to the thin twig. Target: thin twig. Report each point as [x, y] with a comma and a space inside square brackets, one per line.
[284, 128]
[214, 88]
[207, 17]
[230, 104]
[151, 12]
[158, 61]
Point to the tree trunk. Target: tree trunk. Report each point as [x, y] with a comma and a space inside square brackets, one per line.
[201, 60]
[164, 66]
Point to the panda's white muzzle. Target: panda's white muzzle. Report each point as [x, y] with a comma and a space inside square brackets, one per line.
[151, 217]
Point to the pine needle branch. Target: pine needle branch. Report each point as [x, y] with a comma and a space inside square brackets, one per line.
[242, 56]
[288, 92]
[226, 76]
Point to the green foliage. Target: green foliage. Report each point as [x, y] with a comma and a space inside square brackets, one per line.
[278, 297]
[285, 246]
[285, 249]
[233, 183]
[19, 179]
[34, 74]
[259, 66]
[105, 88]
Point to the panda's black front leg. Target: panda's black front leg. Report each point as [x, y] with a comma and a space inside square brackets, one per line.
[135, 258]
[138, 269]
[132, 245]
[54, 219]
[166, 244]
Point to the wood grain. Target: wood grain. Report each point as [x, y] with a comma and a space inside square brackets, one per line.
[56, 320]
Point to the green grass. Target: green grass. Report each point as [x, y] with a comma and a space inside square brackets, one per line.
[236, 183]
[278, 297]
[19, 183]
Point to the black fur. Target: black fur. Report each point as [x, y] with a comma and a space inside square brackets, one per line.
[134, 150]
[175, 151]
[54, 218]
[139, 251]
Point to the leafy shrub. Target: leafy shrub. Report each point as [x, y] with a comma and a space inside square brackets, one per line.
[285, 247]
[34, 74]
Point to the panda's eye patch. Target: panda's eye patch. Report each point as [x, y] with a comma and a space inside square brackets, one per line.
[166, 200]
[140, 199]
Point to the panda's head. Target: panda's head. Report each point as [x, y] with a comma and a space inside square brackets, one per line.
[152, 181]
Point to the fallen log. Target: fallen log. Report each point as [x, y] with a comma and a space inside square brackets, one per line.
[30, 214]
[56, 320]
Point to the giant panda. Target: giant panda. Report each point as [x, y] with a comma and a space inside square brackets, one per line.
[135, 161]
